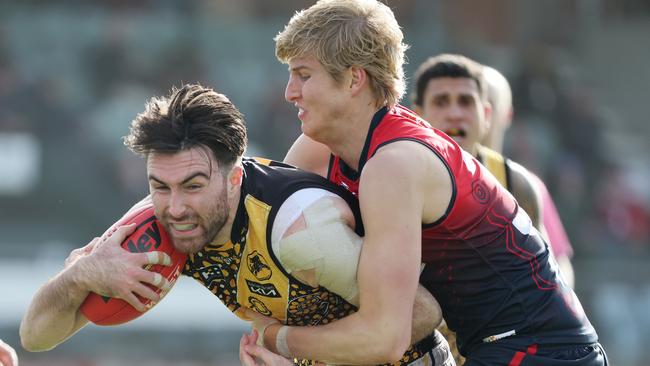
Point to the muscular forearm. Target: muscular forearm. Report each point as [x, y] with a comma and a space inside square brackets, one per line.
[350, 340]
[426, 317]
[378, 333]
[53, 315]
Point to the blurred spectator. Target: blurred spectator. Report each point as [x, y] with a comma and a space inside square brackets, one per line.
[622, 210]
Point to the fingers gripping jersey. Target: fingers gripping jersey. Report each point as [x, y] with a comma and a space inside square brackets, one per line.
[245, 273]
[489, 270]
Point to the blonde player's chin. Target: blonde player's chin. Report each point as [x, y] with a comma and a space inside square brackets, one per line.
[304, 128]
[309, 131]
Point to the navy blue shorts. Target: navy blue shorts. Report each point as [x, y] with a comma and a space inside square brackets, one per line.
[502, 355]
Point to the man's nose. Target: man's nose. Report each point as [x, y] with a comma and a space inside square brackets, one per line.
[177, 206]
[292, 91]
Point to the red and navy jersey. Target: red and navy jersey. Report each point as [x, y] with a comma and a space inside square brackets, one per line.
[487, 266]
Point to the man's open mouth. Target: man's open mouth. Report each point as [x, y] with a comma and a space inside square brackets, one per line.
[455, 132]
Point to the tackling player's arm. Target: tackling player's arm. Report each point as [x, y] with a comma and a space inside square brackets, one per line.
[380, 331]
[320, 248]
[309, 155]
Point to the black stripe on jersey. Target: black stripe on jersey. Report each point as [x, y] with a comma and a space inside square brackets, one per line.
[508, 174]
[480, 158]
[330, 166]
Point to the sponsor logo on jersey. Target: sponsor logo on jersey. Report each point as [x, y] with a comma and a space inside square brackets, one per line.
[264, 289]
[257, 305]
[258, 266]
[480, 192]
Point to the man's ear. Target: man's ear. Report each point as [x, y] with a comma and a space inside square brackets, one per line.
[511, 113]
[358, 79]
[417, 109]
[236, 175]
[487, 109]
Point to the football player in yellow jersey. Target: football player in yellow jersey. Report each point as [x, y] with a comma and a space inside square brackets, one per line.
[263, 236]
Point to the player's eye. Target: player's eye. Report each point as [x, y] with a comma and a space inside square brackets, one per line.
[465, 100]
[194, 187]
[440, 101]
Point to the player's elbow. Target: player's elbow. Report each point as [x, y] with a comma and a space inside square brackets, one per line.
[390, 351]
[30, 340]
[389, 346]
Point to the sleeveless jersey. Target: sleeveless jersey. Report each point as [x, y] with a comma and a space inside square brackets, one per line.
[245, 273]
[485, 264]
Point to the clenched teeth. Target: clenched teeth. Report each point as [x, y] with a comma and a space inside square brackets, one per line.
[183, 227]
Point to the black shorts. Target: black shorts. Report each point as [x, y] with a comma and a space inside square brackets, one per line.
[500, 354]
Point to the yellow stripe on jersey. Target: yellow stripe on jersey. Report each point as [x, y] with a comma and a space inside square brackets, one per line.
[495, 163]
[261, 284]
[263, 161]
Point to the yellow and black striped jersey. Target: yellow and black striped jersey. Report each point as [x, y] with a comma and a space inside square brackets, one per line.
[245, 273]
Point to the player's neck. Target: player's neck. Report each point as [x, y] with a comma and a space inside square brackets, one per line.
[352, 133]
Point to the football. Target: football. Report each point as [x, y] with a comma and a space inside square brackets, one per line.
[149, 235]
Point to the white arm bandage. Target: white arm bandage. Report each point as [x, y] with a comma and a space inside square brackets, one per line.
[327, 245]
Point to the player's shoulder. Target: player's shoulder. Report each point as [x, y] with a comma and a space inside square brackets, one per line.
[298, 211]
[520, 177]
[403, 157]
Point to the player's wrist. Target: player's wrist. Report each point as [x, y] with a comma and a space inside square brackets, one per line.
[270, 337]
[76, 276]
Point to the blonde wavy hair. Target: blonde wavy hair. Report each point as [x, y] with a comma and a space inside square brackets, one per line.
[345, 33]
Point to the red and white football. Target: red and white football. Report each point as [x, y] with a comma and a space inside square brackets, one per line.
[149, 236]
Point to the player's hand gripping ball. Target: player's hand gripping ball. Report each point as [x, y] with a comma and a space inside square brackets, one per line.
[149, 236]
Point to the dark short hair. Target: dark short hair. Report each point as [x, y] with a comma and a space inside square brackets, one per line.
[189, 117]
[447, 66]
